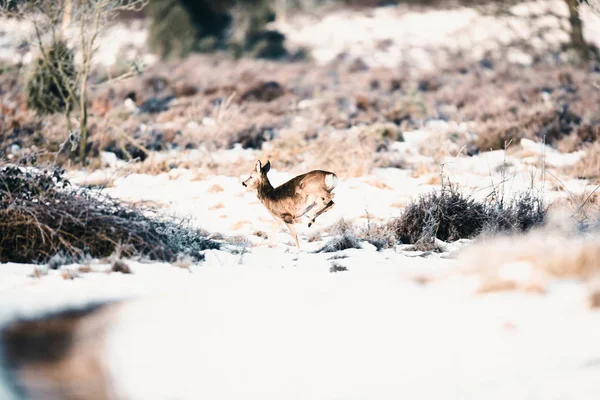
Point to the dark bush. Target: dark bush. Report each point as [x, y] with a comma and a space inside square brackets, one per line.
[347, 240]
[42, 215]
[266, 44]
[252, 137]
[263, 91]
[449, 215]
[550, 126]
[121, 266]
[336, 267]
[172, 33]
[48, 87]
[561, 122]
[180, 27]
[523, 212]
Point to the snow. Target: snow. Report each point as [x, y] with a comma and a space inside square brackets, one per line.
[261, 331]
[329, 336]
[272, 323]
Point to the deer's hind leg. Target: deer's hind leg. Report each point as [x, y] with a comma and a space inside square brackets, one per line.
[307, 209]
[321, 211]
[325, 202]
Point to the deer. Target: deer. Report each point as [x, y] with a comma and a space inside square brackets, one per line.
[308, 194]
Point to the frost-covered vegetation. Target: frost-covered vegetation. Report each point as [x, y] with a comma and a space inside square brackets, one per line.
[42, 215]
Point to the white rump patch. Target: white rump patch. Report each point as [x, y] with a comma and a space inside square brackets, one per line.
[331, 181]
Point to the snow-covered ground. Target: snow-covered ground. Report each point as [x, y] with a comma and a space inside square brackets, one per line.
[272, 323]
[259, 330]
[221, 204]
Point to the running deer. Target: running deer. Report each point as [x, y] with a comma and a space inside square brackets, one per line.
[307, 194]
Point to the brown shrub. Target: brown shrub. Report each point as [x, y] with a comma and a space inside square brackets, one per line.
[595, 299]
[41, 216]
[349, 153]
[549, 253]
[589, 165]
[538, 122]
[263, 91]
[449, 215]
[121, 266]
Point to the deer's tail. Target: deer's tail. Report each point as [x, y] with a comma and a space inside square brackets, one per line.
[331, 181]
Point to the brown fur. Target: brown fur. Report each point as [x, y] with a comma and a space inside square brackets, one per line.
[306, 194]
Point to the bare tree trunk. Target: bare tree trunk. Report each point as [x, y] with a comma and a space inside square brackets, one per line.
[577, 40]
[83, 120]
[67, 16]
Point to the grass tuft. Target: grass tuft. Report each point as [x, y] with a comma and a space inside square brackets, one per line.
[347, 240]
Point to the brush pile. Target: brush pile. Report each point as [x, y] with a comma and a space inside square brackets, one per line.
[42, 215]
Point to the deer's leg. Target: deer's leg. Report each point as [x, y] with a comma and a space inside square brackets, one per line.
[292, 229]
[324, 202]
[274, 230]
[307, 209]
[321, 211]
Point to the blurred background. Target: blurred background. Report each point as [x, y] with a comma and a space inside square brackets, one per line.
[211, 75]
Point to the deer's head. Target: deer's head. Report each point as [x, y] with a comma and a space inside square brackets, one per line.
[258, 175]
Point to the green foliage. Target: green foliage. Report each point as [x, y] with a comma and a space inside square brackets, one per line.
[172, 32]
[180, 27]
[248, 34]
[48, 87]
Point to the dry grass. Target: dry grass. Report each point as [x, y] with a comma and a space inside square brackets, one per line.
[340, 226]
[315, 237]
[527, 261]
[491, 286]
[380, 235]
[309, 116]
[595, 299]
[240, 224]
[347, 240]
[349, 153]
[379, 184]
[69, 274]
[215, 189]
[589, 165]
[217, 206]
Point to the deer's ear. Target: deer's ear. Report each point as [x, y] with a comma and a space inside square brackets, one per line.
[267, 167]
[258, 166]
